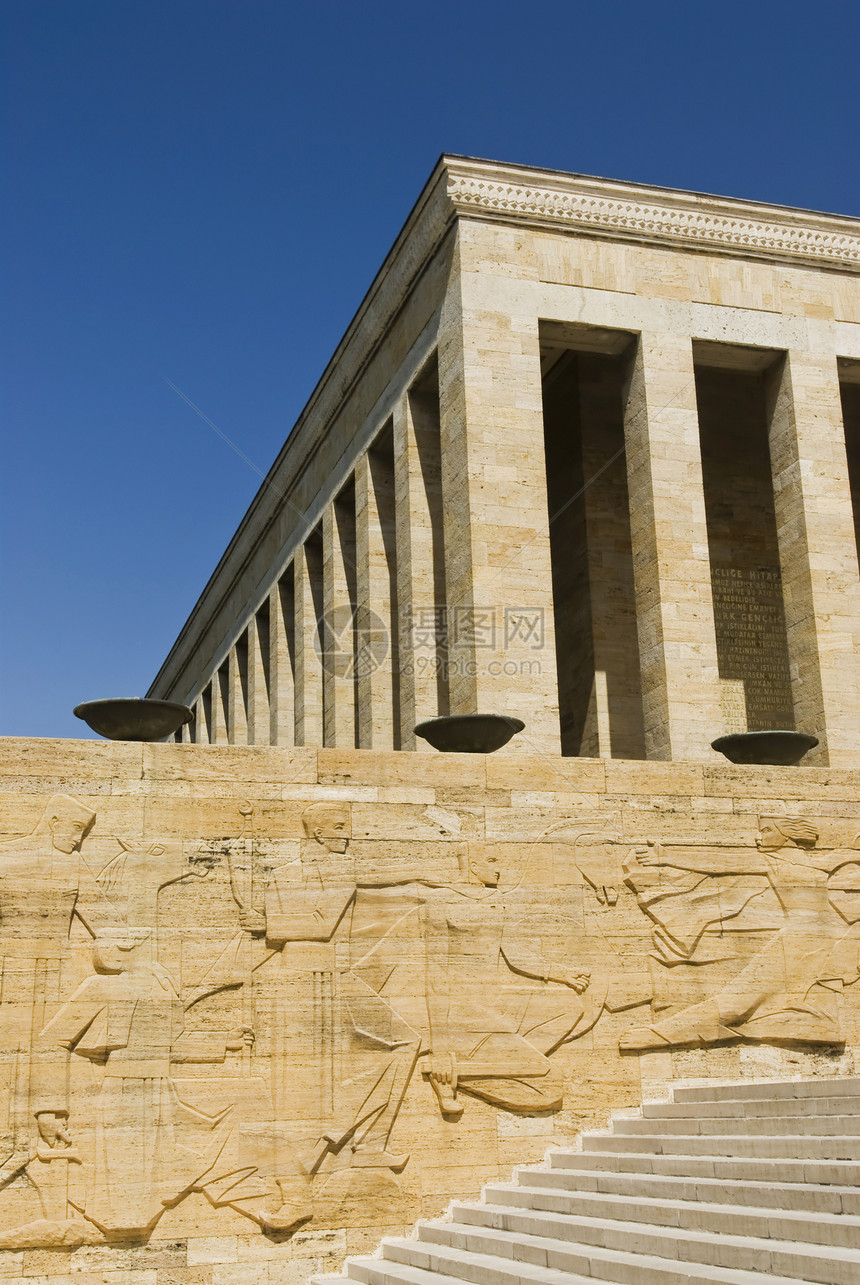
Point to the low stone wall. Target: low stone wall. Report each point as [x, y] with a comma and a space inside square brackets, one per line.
[260, 1006]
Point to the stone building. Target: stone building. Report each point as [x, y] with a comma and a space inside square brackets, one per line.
[589, 453]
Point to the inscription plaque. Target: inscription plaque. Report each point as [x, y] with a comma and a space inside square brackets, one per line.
[751, 646]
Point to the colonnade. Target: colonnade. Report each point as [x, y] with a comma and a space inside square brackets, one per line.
[424, 584]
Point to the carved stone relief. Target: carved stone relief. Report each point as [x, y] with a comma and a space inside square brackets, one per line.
[271, 1029]
[784, 917]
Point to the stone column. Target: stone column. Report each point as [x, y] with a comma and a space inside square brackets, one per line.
[218, 734]
[309, 674]
[282, 661]
[374, 509]
[501, 636]
[339, 641]
[237, 713]
[258, 690]
[419, 609]
[200, 726]
[615, 727]
[817, 553]
[671, 564]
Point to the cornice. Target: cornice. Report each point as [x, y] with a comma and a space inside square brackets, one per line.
[660, 215]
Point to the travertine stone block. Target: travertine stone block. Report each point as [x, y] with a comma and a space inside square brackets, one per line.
[543, 772]
[282, 660]
[391, 768]
[675, 618]
[686, 779]
[616, 729]
[818, 552]
[237, 694]
[308, 605]
[93, 761]
[497, 549]
[259, 713]
[338, 624]
[376, 611]
[261, 763]
[203, 721]
[219, 733]
[200, 727]
[420, 596]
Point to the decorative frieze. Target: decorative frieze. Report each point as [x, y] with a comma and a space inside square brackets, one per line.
[680, 219]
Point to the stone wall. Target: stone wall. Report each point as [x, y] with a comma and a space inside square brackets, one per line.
[261, 1005]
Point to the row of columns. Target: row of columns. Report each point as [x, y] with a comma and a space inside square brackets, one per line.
[448, 509]
[345, 651]
[816, 539]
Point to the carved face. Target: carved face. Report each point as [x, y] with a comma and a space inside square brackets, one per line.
[108, 956]
[67, 833]
[334, 834]
[769, 838]
[486, 870]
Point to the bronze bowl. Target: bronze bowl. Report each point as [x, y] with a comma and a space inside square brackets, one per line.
[469, 733]
[133, 718]
[777, 748]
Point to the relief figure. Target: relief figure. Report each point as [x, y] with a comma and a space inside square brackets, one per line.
[343, 1053]
[45, 885]
[151, 1147]
[788, 990]
[491, 1031]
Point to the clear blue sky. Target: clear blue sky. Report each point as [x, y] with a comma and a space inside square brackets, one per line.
[203, 190]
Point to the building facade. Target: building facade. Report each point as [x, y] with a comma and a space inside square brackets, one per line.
[588, 454]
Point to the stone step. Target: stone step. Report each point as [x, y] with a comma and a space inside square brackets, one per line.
[786, 1146]
[470, 1267]
[831, 1265]
[508, 1258]
[804, 1197]
[747, 1168]
[756, 1183]
[753, 1108]
[757, 1126]
[747, 1089]
[809, 1227]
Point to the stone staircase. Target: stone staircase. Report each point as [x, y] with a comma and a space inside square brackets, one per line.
[741, 1184]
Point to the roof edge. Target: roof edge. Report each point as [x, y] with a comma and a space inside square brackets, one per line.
[662, 215]
[421, 234]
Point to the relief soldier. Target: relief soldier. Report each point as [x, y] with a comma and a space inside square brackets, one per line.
[333, 936]
[788, 990]
[496, 1008]
[45, 886]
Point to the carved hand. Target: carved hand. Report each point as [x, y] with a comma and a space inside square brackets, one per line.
[576, 981]
[241, 1037]
[642, 866]
[52, 1129]
[443, 1069]
[253, 921]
